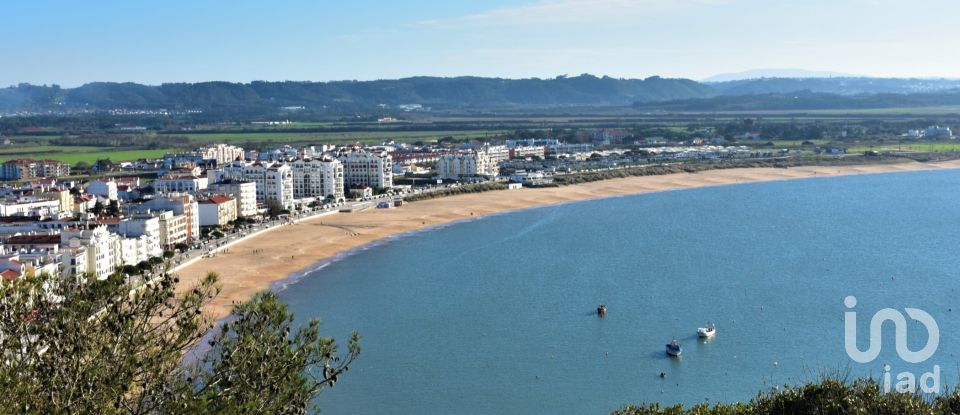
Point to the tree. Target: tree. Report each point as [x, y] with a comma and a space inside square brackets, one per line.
[107, 347]
[97, 208]
[113, 209]
[275, 208]
[236, 378]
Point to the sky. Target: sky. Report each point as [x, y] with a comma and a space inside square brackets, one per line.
[69, 42]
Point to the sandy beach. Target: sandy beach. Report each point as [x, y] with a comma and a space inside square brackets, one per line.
[251, 265]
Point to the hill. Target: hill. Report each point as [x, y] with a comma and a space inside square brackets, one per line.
[774, 73]
[441, 93]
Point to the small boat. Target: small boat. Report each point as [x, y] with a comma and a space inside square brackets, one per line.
[601, 310]
[674, 349]
[707, 332]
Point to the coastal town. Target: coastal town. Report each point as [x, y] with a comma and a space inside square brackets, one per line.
[135, 216]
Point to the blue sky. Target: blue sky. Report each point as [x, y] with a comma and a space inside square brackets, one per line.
[72, 42]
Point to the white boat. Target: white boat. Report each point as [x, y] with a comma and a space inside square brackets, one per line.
[674, 349]
[707, 332]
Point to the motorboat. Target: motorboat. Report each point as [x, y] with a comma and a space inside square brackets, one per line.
[707, 331]
[674, 349]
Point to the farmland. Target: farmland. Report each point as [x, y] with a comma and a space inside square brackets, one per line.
[365, 137]
[75, 154]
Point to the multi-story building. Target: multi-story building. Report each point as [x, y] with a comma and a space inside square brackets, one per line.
[181, 204]
[145, 228]
[936, 131]
[470, 164]
[23, 169]
[63, 196]
[106, 189]
[103, 249]
[317, 178]
[217, 210]
[43, 243]
[245, 193]
[73, 259]
[29, 207]
[364, 168]
[221, 153]
[527, 151]
[496, 153]
[180, 183]
[173, 227]
[274, 180]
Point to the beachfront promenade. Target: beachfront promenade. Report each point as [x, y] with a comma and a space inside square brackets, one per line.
[248, 265]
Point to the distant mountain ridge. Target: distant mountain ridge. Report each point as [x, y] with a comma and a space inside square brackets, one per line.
[777, 73]
[467, 93]
[461, 92]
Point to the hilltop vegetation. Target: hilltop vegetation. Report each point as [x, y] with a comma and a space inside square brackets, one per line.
[830, 396]
[476, 93]
[349, 95]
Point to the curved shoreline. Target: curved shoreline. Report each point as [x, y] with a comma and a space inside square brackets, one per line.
[275, 260]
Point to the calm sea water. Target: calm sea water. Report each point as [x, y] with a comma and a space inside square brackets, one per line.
[496, 315]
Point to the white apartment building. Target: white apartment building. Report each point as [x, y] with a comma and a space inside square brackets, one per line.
[145, 228]
[527, 151]
[274, 180]
[496, 154]
[459, 165]
[245, 193]
[182, 183]
[317, 178]
[29, 207]
[135, 250]
[107, 189]
[102, 249]
[364, 168]
[217, 210]
[173, 228]
[222, 153]
[73, 260]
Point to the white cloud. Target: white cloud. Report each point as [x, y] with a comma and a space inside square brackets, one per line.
[550, 12]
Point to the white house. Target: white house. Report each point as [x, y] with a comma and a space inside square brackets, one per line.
[106, 189]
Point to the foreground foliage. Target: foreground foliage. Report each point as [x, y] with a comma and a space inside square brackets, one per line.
[104, 347]
[829, 396]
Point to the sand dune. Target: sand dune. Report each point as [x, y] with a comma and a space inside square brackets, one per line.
[292, 248]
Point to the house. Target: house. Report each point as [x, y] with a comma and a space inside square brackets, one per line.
[106, 189]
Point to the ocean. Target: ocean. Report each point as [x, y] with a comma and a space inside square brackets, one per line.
[497, 314]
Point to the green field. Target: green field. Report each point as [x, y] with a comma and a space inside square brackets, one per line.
[72, 155]
[366, 137]
[911, 146]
